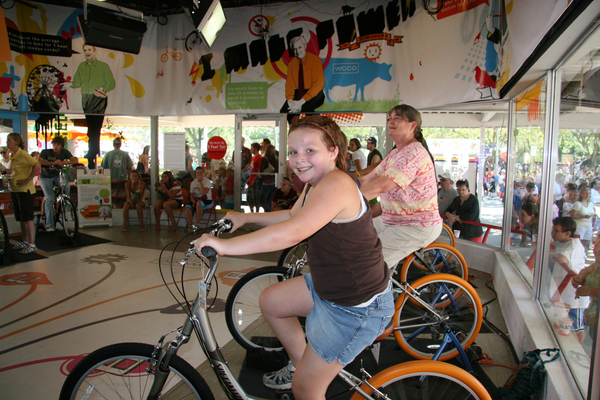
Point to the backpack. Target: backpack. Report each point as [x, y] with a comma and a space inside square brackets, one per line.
[528, 378]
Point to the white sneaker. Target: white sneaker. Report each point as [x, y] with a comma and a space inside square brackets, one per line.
[21, 246]
[32, 248]
[280, 380]
[50, 229]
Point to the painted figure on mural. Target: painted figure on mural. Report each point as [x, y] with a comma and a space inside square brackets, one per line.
[305, 80]
[95, 79]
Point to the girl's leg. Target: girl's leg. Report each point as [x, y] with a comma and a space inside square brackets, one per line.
[157, 211]
[125, 215]
[199, 212]
[169, 205]
[138, 206]
[188, 217]
[313, 376]
[281, 313]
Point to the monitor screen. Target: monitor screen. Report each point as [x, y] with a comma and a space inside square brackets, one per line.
[213, 24]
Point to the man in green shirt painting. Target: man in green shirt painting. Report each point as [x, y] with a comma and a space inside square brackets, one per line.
[95, 79]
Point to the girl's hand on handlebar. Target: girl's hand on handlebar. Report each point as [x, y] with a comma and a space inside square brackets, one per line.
[211, 241]
[236, 218]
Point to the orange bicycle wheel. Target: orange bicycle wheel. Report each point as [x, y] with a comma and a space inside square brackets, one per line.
[435, 258]
[420, 333]
[425, 380]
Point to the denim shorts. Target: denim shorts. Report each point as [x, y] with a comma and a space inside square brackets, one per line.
[576, 314]
[341, 333]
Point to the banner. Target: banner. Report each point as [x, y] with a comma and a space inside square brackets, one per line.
[350, 56]
[94, 200]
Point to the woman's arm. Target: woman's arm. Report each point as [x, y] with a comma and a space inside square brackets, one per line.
[358, 165]
[330, 199]
[372, 188]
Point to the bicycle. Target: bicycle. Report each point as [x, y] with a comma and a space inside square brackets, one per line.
[443, 309]
[135, 369]
[175, 54]
[65, 212]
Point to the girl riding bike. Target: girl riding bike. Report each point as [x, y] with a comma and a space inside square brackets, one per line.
[344, 314]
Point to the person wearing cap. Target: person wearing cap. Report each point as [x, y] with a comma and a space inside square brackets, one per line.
[446, 194]
[375, 156]
[118, 161]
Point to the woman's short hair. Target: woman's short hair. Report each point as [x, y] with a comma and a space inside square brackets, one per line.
[288, 181]
[462, 182]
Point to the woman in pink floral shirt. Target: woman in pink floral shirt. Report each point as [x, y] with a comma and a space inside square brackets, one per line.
[406, 184]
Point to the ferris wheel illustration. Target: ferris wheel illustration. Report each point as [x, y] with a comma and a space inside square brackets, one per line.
[45, 89]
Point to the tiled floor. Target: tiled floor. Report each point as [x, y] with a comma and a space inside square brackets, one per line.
[54, 310]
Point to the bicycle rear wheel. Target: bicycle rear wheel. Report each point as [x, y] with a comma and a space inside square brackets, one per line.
[446, 236]
[426, 380]
[242, 312]
[67, 216]
[119, 372]
[420, 333]
[292, 254]
[435, 258]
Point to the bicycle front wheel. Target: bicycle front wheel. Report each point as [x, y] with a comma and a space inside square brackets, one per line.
[67, 215]
[435, 258]
[119, 372]
[417, 329]
[425, 380]
[3, 235]
[242, 312]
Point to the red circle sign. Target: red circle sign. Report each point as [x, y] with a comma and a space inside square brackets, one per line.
[216, 148]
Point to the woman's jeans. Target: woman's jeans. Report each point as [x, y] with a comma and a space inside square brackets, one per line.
[48, 185]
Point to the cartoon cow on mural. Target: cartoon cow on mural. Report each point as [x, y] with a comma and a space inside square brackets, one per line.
[359, 72]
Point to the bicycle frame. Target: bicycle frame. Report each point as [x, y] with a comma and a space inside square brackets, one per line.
[199, 321]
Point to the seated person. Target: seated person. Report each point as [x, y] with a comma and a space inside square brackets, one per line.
[465, 207]
[228, 189]
[170, 196]
[529, 215]
[134, 197]
[565, 203]
[284, 197]
[56, 157]
[446, 193]
[200, 198]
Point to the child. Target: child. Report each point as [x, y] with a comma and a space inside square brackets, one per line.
[134, 197]
[170, 197]
[346, 298]
[200, 198]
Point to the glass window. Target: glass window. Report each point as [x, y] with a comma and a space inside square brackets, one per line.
[569, 288]
[525, 188]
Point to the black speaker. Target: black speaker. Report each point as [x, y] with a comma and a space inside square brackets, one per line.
[112, 31]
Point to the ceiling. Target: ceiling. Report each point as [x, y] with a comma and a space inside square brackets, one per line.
[159, 8]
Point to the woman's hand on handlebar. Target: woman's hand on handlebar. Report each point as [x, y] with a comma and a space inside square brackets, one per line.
[210, 241]
[237, 220]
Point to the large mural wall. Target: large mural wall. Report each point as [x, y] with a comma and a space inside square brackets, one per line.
[354, 55]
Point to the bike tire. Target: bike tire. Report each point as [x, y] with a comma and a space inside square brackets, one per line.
[67, 216]
[125, 366]
[242, 311]
[441, 381]
[440, 257]
[4, 236]
[446, 236]
[411, 320]
[293, 254]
